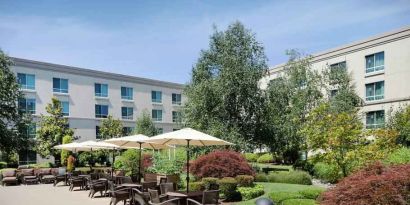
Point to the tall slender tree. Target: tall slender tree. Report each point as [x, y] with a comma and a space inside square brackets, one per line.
[111, 128]
[145, 125]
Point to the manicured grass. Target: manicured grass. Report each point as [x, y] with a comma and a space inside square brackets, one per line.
[272, 187]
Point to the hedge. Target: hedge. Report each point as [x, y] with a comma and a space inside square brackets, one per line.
[299, 202]
[265, 158]
[248, 193]
[251, 157]
[279, 197]
[244, 180]
[311, 193]
[293, 177]
[196, 186]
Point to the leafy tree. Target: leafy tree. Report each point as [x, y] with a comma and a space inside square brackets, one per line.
[110, 128]
[53, 127]
[13, 124]
[64, 153]
[223, 97]
[145, 125]
[400, 121]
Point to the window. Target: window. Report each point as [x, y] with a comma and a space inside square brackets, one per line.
[27, 157]
[157, 115]
[176, 99]
[375, 119]
[27, 105]
[60, 85]
[31, 131]
[337, 70]
[176, 116]
[97, 132]
[160, 130]
[375, 62]
[101, 111]
[156, 96]
[65, 105]
[127, 113]
[126, 93]
[375, 91]
[101, 90]
[127, 131]
[26, 81]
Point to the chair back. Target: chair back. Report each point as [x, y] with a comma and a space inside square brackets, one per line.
[163, 180]
[126, 180]
[111, 186]
[94, 176]
[148, 185]
[210, 197]
[166, 187]
[154, 196]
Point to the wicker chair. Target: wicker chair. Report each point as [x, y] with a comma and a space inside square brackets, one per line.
[208, 198]
[76, 182]
[28, 176]
[156, 199]
[9, 176]
[118, 193]
[45, 176]
[148, 185]
[166, 187]
[97, 186]
[60, 175]
[139, 197]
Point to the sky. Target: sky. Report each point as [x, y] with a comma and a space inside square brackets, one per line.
[162, 39]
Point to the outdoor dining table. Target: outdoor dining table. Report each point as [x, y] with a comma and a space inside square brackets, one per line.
[196, 195]
[130, 186]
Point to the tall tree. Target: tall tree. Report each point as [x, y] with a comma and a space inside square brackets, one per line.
[13, 124]
[65, 153]
[400, 120]
[223, 97]
[53, 127]
[145, 125]
[110, 128]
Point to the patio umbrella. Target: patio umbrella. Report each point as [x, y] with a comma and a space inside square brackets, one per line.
[187, 136]
[73, 146]
[135, 141]
[102, 145]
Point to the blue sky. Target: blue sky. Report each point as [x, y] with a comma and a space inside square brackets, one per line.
[162, 39]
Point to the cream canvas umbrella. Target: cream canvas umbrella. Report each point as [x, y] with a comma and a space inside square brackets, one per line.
[187, 136]
[135, 141]
[73, 146]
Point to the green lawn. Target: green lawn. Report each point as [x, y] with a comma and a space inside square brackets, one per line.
[272, 187]
[273, 166]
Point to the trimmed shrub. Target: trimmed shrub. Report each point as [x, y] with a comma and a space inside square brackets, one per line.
[326, 172]
[279, 197]
[196, 186]
[261, 177]
[293, 177]
[221, 163]
[299, 202]
[70, 163]
[265, 158]
[208, 181]
[311, 193]
[373, 185]
[3, 165]
[248, 193]
[244, 180]
[251, 157]
[228, 185]
[399, 156]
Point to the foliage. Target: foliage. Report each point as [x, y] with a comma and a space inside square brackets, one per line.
[3, 165]
[220, 163]
[196, 186]
[305, 165]
[70, 163]
[145, 125]
[375, 184]
[64, 153]
[244, 180]
[261, 177]
[227, 186]
[208, 181]
[251, 192]
[327, 172]
[265, 158]
[312, 193]
[53, 127]
[86, 158]
[223, 97]
[399, 156]
[292, 177]
[146, 160]
[13, 123]
[400, 121]
[128, 161]
[279, 197]
[299, 202]
[251, 157]
[110, 128]
[162, 165]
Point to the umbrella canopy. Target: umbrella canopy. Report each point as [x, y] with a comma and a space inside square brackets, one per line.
[74, 147]
[134, 141]
[98, 145]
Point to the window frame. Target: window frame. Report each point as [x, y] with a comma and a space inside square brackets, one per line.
[59, 89]
[375, 124]
[68, 108]
[156, 119]
[176, 101]
[26, 105]
[100, 93]
[127, 117]
[177, 117]
[375, 68]
[25, 86]
[374, 97]
[100, 115]
[129, 91]
[155, 93]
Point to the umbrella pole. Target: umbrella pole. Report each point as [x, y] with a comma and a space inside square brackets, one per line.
[187, 166]
[139, 163]
[112, 165]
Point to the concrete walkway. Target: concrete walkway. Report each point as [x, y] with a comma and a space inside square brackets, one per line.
[46, 194]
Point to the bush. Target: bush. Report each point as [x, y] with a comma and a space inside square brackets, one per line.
[208, 181]
[299, 202]
[261, 177]
[326, 172]
[244, 180]
[161, 164]
[227, 186]
[196, 186]
[3, 165]
[64, 153]
[128, 162]
[221, 163]
[86, 158]
[265, 158]
[248, 193]
[293, 177]
[279, 197]
[375, 184]
[311, 193]
[70, 163]
[306, 166]
[399, 156]
[251, 157]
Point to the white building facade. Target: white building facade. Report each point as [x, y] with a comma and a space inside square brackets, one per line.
[88, 96]
[380, 69]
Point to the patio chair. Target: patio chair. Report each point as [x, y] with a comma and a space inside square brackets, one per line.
[60, 175]
[208, 198]
[156, 199]
[28, 176]
[45, 175]
[75, 181]
[126, 180]
[97, 186]
[140, 197]
[163, 180]
[166, 187]
[148, 185]
[118, 193]
[9, 176]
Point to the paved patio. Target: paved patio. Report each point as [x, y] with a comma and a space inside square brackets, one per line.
[46, 194]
